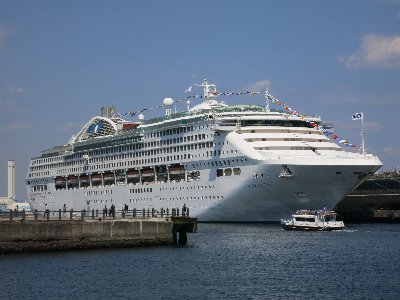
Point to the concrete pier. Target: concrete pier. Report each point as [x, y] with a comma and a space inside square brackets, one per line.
[27, 234]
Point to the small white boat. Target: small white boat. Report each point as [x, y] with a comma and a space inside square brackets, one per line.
[313, 220]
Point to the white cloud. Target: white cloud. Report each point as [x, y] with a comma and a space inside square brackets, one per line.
[7, 103]
[16, 89]
[373, 126]
[2, 36]
[71, 126]
[258, 86]
[5, 31]
[15, 126]
[392, 152]
[347, 98]
[375, 51]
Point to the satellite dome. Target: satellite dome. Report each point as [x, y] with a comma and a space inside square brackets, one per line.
[168, 101]
[141, 117]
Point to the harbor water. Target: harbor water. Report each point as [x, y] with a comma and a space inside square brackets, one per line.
[221, 261]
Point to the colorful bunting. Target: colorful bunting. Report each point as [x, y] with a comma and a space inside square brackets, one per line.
[313, 124]
[131, 114]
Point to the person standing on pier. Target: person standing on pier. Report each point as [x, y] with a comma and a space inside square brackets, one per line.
[184, 209]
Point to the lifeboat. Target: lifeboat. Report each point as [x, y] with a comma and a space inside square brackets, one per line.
[108, 176]
[59, 180]
[84, 178]
[175, 170]
[72, 179]
[96, 177]
[147, 172]
[133, 173]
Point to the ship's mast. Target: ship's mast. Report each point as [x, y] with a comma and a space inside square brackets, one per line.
[267, 108]
[209, 91]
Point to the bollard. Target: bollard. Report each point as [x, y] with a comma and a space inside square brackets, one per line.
[187, 212]
[177, 212]
[144, 213]
[162, 212]
[134, 213]
[36, 213]
[23, 214]
[70, 214]
[97, 212]
[148, 212]
[59, 214]
[11, 215]
[152, 212]
[167, 212]
[83, 212]
[48, 214]
[104, 213]
[93, 213]
[174, 212]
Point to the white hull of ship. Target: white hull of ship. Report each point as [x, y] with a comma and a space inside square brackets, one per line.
[258, 194]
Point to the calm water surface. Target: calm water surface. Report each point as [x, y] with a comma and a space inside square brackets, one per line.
[222, 261]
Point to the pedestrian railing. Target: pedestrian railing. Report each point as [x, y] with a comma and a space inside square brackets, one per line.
[98, 214]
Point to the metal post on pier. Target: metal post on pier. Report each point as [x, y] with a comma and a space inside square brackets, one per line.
[36, 213]
[70, 214]
[59, 214]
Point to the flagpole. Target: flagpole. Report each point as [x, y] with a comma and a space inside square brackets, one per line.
[362, 134]
[267, 100]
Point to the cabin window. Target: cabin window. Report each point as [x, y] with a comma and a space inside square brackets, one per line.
[220, 172]
[304, 219]
[228, 172]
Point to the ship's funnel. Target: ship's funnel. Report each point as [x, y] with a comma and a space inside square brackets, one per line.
[108, 111]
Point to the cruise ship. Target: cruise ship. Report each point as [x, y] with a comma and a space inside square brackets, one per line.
[227, 163]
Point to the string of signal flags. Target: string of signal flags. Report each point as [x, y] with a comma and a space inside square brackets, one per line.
[185, 99]
[325, 131]
[268, 96]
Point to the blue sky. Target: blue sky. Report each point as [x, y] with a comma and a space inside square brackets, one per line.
[60, 61]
